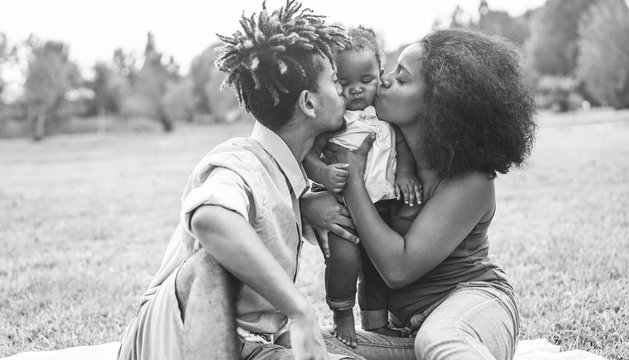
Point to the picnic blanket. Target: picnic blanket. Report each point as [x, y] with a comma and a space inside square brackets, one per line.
[538, 349]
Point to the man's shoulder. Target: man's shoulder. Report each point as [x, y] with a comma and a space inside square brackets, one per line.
[244, 156]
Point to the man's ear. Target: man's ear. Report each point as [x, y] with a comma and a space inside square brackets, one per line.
[307, 103]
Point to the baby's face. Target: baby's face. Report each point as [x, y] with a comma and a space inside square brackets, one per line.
[359, 74]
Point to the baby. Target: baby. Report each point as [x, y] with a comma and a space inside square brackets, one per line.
[389, 176]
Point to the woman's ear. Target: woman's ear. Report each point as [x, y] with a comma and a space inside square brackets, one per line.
[307, 102]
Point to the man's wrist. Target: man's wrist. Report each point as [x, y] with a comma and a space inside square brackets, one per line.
[302, 309]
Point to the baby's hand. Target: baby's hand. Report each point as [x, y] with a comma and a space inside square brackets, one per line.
[334, 176]
[407, 185]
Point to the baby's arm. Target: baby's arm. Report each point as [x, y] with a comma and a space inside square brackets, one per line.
[406, 181]
[332, 176]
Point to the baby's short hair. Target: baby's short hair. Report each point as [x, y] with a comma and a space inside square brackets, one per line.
[277, 57]
[362, 38]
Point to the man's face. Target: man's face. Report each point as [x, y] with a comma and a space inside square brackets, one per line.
[331, 102]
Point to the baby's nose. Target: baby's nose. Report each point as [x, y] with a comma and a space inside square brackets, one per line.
[355, 89]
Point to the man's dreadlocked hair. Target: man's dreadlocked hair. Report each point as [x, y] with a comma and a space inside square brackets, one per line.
[276, 58]
[362, 38]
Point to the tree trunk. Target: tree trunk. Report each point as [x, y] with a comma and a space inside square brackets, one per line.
[40, 125]
[102, 120]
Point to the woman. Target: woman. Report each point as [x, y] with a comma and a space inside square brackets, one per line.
[461, 103]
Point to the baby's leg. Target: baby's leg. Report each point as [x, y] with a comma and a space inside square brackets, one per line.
[373, 292]
[341, 274]
[373, 299]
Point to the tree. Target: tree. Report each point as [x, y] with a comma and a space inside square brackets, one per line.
[49, 76]
[109, 90]
[207, 80]
[603, 62]
[552, 47]
[501, 23]
[125, 64]
[150, 83]
[201, 71]
[7, 53]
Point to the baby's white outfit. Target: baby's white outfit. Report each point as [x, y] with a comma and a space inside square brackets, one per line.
[381, 160]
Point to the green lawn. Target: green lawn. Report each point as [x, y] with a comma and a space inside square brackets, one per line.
[85, 219]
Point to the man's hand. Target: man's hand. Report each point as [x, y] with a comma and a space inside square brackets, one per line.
[334, 176]
[306, 339]
[325, 214]
[407, 185]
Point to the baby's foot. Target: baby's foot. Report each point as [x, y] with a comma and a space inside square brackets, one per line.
[387, 331]
[344, 330]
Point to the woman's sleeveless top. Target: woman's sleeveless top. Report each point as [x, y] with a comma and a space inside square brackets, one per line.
[469, 262]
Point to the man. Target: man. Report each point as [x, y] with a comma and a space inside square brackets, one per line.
[240, 208]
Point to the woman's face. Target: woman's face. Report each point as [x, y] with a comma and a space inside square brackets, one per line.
[400, 97]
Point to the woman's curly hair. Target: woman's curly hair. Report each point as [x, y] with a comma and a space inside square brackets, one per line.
[275, 57]
[479, 112]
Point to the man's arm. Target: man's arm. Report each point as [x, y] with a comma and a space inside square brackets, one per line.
[233, 242]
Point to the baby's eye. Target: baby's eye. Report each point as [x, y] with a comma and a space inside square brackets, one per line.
[367, 80]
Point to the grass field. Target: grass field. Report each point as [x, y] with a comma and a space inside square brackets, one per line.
[85, 219]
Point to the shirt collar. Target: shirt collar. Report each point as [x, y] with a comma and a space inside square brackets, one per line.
[366, 113]
[277, 148]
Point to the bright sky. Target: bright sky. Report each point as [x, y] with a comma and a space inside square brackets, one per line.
[184, 28]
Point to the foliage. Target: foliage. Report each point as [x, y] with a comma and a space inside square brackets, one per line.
[202, 70]
[515, 29]
[221, 104]
[6, 52]
[501, 23]
[125, 63]
[49, 76]
[604, 52]
[179, 100]
[558, 93]
[149, 85]
[552, 47]
[109, 89]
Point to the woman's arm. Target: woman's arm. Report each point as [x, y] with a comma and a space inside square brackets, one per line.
[446, 219]
[455, 207]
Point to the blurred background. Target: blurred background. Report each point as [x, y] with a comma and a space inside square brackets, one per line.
[106, 107]
[74, 67]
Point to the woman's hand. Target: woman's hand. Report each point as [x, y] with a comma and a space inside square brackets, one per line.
[325, 214]
[357, 159]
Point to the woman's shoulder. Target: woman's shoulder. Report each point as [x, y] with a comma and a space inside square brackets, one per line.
[473, 180]
[471, 186]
